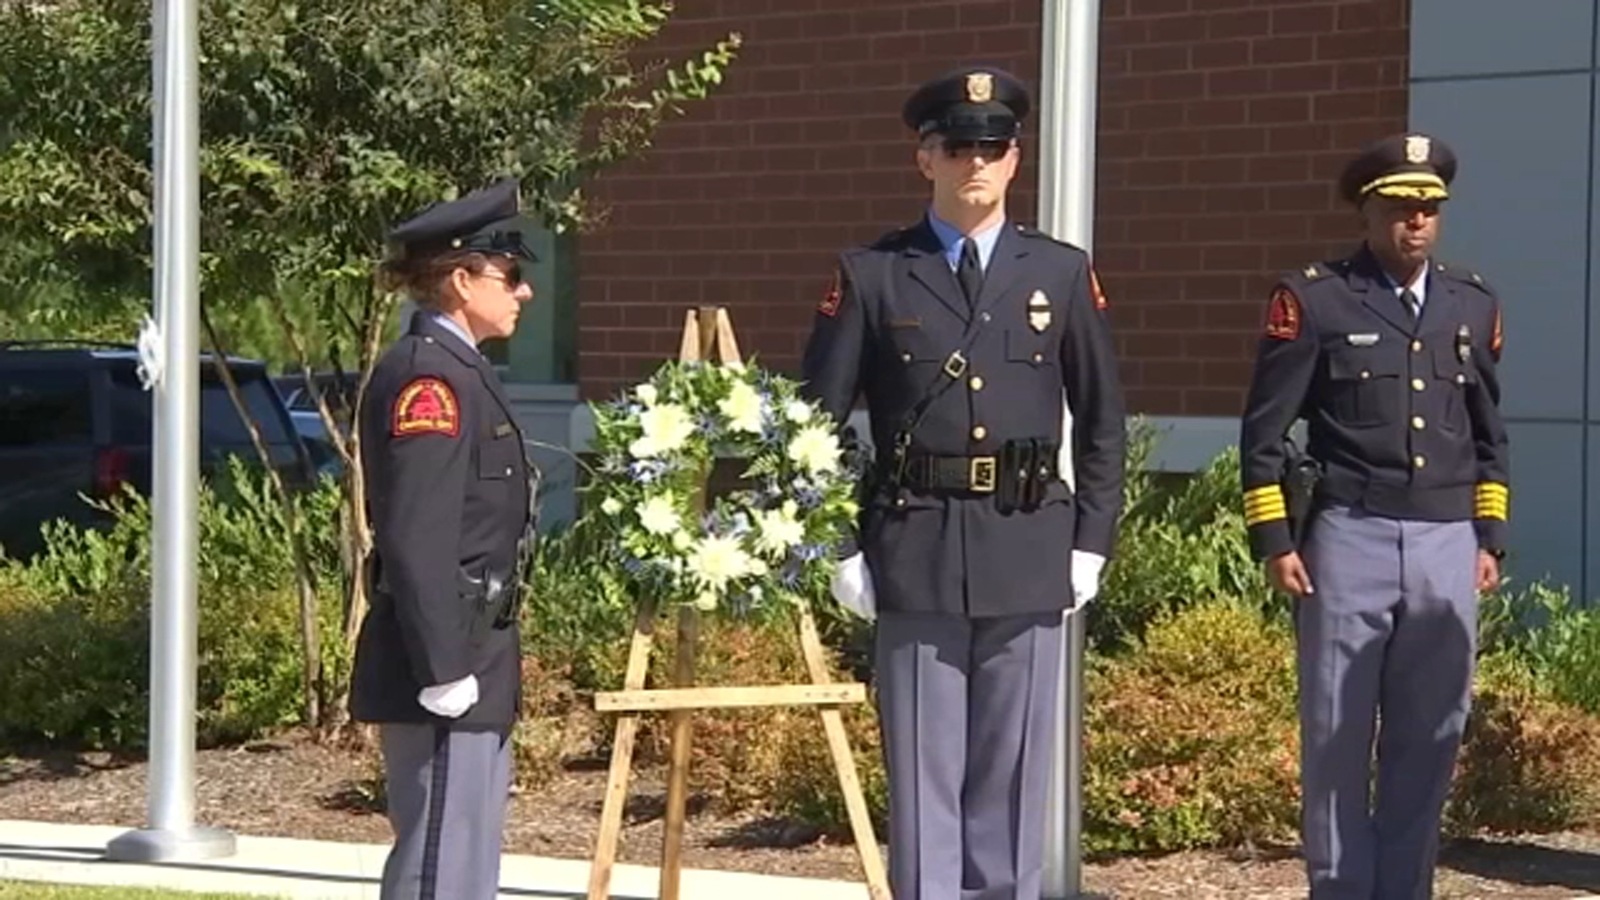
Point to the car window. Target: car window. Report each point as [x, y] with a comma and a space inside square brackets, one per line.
[219, 421]
[44, 406]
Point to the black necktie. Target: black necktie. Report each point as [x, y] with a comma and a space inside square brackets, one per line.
[1410, 301]
[970, 272]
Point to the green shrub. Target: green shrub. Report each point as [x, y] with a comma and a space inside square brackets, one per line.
[1192, 737]
[75, 625]
[1176, 546]
[1556, 640]
[1529, 762]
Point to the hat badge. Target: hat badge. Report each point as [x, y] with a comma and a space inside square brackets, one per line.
[1417, 149]
[980, 87]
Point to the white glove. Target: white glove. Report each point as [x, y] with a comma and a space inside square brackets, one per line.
[852, 587]
[450, 700]
[1086, 569]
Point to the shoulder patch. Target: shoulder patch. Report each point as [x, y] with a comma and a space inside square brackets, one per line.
[1283, 315]
[426, 406]
[1497, 338]
[1099, 295]
[833, 297]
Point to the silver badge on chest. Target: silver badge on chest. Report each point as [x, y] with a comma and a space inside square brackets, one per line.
[1038, 311]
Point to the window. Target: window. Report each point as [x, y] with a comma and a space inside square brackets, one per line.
[44, 406]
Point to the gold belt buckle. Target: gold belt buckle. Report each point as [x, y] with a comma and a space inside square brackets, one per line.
[981, 473]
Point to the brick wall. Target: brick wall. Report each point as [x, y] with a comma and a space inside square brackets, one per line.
[1222, 123]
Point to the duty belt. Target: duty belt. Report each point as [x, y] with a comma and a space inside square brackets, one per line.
[1018, 475]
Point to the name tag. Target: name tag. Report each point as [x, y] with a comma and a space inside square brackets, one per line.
[1361, 340]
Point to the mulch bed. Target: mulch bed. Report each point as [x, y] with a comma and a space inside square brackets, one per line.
[295, 787]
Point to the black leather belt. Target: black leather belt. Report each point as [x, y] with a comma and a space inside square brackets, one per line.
[979, 474]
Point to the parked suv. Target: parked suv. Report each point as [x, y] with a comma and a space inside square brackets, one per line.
[74, 420]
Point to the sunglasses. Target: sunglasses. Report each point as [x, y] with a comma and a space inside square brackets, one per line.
[511, 276]
[988, 150]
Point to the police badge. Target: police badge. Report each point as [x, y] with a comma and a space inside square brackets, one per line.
[1418, 147]
[1038, 311]
[980, 87]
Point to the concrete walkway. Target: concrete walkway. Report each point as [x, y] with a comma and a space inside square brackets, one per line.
[284, 867]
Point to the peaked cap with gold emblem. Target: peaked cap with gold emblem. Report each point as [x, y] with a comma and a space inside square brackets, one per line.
[1410, 166]
[488, 220]
[973, 103]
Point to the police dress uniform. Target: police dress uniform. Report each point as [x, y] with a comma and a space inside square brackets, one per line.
[968, 528]
[450, 502]
[1402, 416]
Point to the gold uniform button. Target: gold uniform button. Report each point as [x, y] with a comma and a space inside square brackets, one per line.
[1416, 384]
[899, 501]
[1418, 423]
[979, 433]
[1419, 461]
[976, 383]
[1038, 357]
[1365, 374]
[905, 357]
[1416, 346]
[1460, 378]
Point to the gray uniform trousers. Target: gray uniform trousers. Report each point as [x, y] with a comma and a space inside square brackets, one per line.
[965, 709]
[447, 803]
[1391, 626]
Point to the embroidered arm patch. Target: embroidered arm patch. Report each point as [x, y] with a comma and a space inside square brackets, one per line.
[1283, 315]
[831, 300]
[426, 406]
[1099, 295]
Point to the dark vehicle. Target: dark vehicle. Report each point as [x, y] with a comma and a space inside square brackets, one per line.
[75, 421]
[339, 389]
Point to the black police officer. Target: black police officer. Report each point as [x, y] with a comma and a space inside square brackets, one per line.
[963, 331]
[1390, 357]
[450, 498]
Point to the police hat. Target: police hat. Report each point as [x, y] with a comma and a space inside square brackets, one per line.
[969, 104]
[487, 221]
[1409, 166]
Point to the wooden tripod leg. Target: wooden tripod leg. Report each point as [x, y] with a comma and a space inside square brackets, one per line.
[855, 801]
[678, 774]
[605, 853]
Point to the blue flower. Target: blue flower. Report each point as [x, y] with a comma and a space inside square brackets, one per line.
[789, 574]
[810, 552]
[808, 497]
[632, 564]
[647, 470]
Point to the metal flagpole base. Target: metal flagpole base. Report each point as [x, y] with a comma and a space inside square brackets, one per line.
[154, 845]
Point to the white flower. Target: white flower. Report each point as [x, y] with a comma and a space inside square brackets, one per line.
[646, 394]
[816, 449]
[778, 530]
[797, 411]
[611, 506]
[658, 516]
[666, 428]
[717, 561]
[742, 406]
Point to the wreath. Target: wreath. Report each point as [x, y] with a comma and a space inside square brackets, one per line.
[764, 542]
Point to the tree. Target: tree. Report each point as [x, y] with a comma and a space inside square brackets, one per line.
[323, 122]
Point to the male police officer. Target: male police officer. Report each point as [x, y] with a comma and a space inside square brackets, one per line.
[1390, 357]
[962, 331]
[438, 659]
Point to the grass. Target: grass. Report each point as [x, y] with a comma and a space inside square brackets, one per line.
[34, 890]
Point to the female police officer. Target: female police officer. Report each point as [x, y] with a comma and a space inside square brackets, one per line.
[437, 662]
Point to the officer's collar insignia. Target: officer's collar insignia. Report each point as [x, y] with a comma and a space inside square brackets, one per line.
[1038, 311]
[1418, 147]
[980, 87]
[426, 406]
[1362, 340]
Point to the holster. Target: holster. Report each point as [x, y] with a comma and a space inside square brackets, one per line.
[1301, 473]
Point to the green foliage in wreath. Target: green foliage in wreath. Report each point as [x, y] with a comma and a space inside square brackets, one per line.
[766, 541]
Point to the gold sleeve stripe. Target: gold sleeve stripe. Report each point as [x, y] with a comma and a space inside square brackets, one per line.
[1264, 504]
[1491, 501]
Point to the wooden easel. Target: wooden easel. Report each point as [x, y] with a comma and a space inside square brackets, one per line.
[704, 330]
